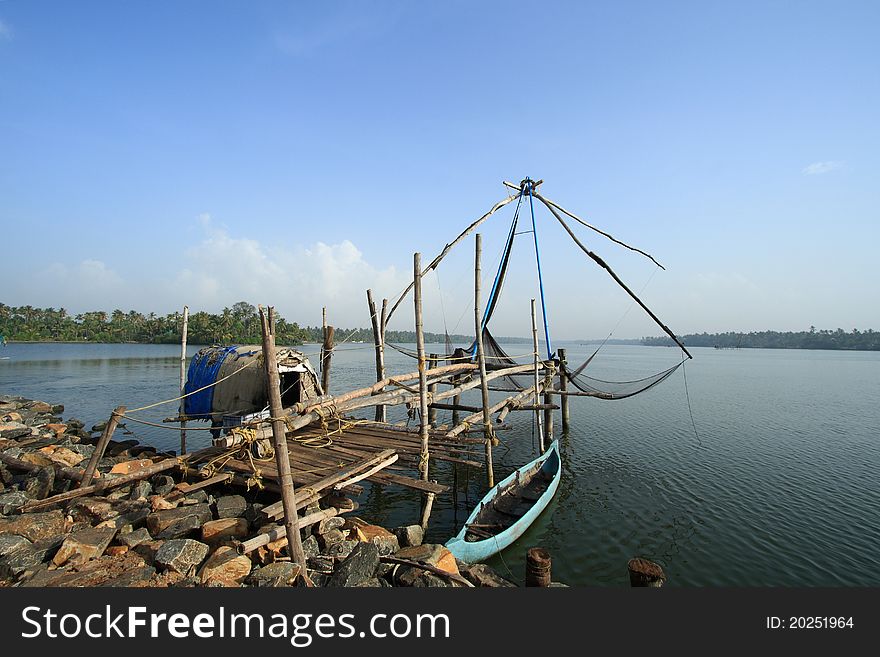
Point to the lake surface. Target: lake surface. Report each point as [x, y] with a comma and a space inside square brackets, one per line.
[780, 486]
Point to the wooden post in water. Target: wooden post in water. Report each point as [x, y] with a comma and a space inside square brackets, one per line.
[563, 387]
[326, 354]
[379, 342]
[548, 401]
[423, 379]
[433, 361]
[481, 361]
[101, 447]
[538, 567]
[645, 573]
[282, 458]
[538, 424]
[183, 377]
[456, 401]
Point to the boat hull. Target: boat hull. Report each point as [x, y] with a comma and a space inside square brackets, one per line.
[476, 551]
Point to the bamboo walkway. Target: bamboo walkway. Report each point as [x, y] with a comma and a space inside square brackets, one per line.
[318, 451]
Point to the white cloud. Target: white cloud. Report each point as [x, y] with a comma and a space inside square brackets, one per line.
[5, 31]
[299, 280]
[220, 270]
[822, 167]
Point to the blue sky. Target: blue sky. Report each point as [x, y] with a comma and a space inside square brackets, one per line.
[155, 154]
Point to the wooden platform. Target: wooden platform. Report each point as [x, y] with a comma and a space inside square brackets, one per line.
[321, 450]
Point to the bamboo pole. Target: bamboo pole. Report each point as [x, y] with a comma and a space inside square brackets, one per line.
[379, 342]
[456, 401]
[104, 484]
[326, 353]
[481, 362]
[183, 376]
[611, 273]
[470, 419]
[423, 379]
[548, 405]
[563, 388]
[356, 402]
[74, 474]
[448, 247]
[337, 400]
[282, 459]
[101, 447]
[274, 510]
[538, 425]
[433, 361]
[280, 531]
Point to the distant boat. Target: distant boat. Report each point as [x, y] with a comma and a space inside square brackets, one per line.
[508, 509]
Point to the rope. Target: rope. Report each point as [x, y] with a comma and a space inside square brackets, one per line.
[164, 426]
[168, 401]
[690, 410]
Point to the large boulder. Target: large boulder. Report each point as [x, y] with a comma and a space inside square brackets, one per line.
[280, 573]
[357, 567]
[230, 506]
[181, 555]
[431, 554]
[34, 526]
[11, 501]
[225, 568]
[410, 535]
[158, 521]
[215, 532]
[84, 545]
[134, 538]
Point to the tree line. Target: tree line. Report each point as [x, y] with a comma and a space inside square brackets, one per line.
[239, 324]
[867, 340]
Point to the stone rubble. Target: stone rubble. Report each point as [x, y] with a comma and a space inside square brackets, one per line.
[150, 534]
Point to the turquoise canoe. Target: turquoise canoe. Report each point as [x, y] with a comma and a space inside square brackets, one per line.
[508, 509]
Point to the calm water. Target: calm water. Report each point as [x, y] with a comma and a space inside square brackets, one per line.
[778, 488]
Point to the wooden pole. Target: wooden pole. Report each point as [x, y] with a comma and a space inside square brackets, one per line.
[101, 447]
[538, 567]
[645, 573]
[456, 401]
[563, 387]
[282, 459]
[183, 376]
[538, 425]
[481, 362]
[433, 361]
[423, 379]
[548, 410]
[326, 353]
[379, 342]
[104, 484]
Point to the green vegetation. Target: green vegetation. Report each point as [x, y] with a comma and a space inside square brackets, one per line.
[237, 325]
[867, 340]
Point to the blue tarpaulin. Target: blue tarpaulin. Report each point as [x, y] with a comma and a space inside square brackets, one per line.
[202, 372]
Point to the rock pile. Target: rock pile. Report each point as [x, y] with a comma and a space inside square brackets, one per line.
[152, 533]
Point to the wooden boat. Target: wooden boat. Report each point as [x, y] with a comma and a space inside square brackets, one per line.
[508, 509]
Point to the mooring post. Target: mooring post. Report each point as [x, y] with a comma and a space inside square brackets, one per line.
[282, 458]
[378, 341]
[183, 378]
[326, 354]
[101, 447]
[563, 388]
[538, 567]
[548, 402]
[538, 424]
[423, 379]
[645, 573]
[433, 361]
[481, 360]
